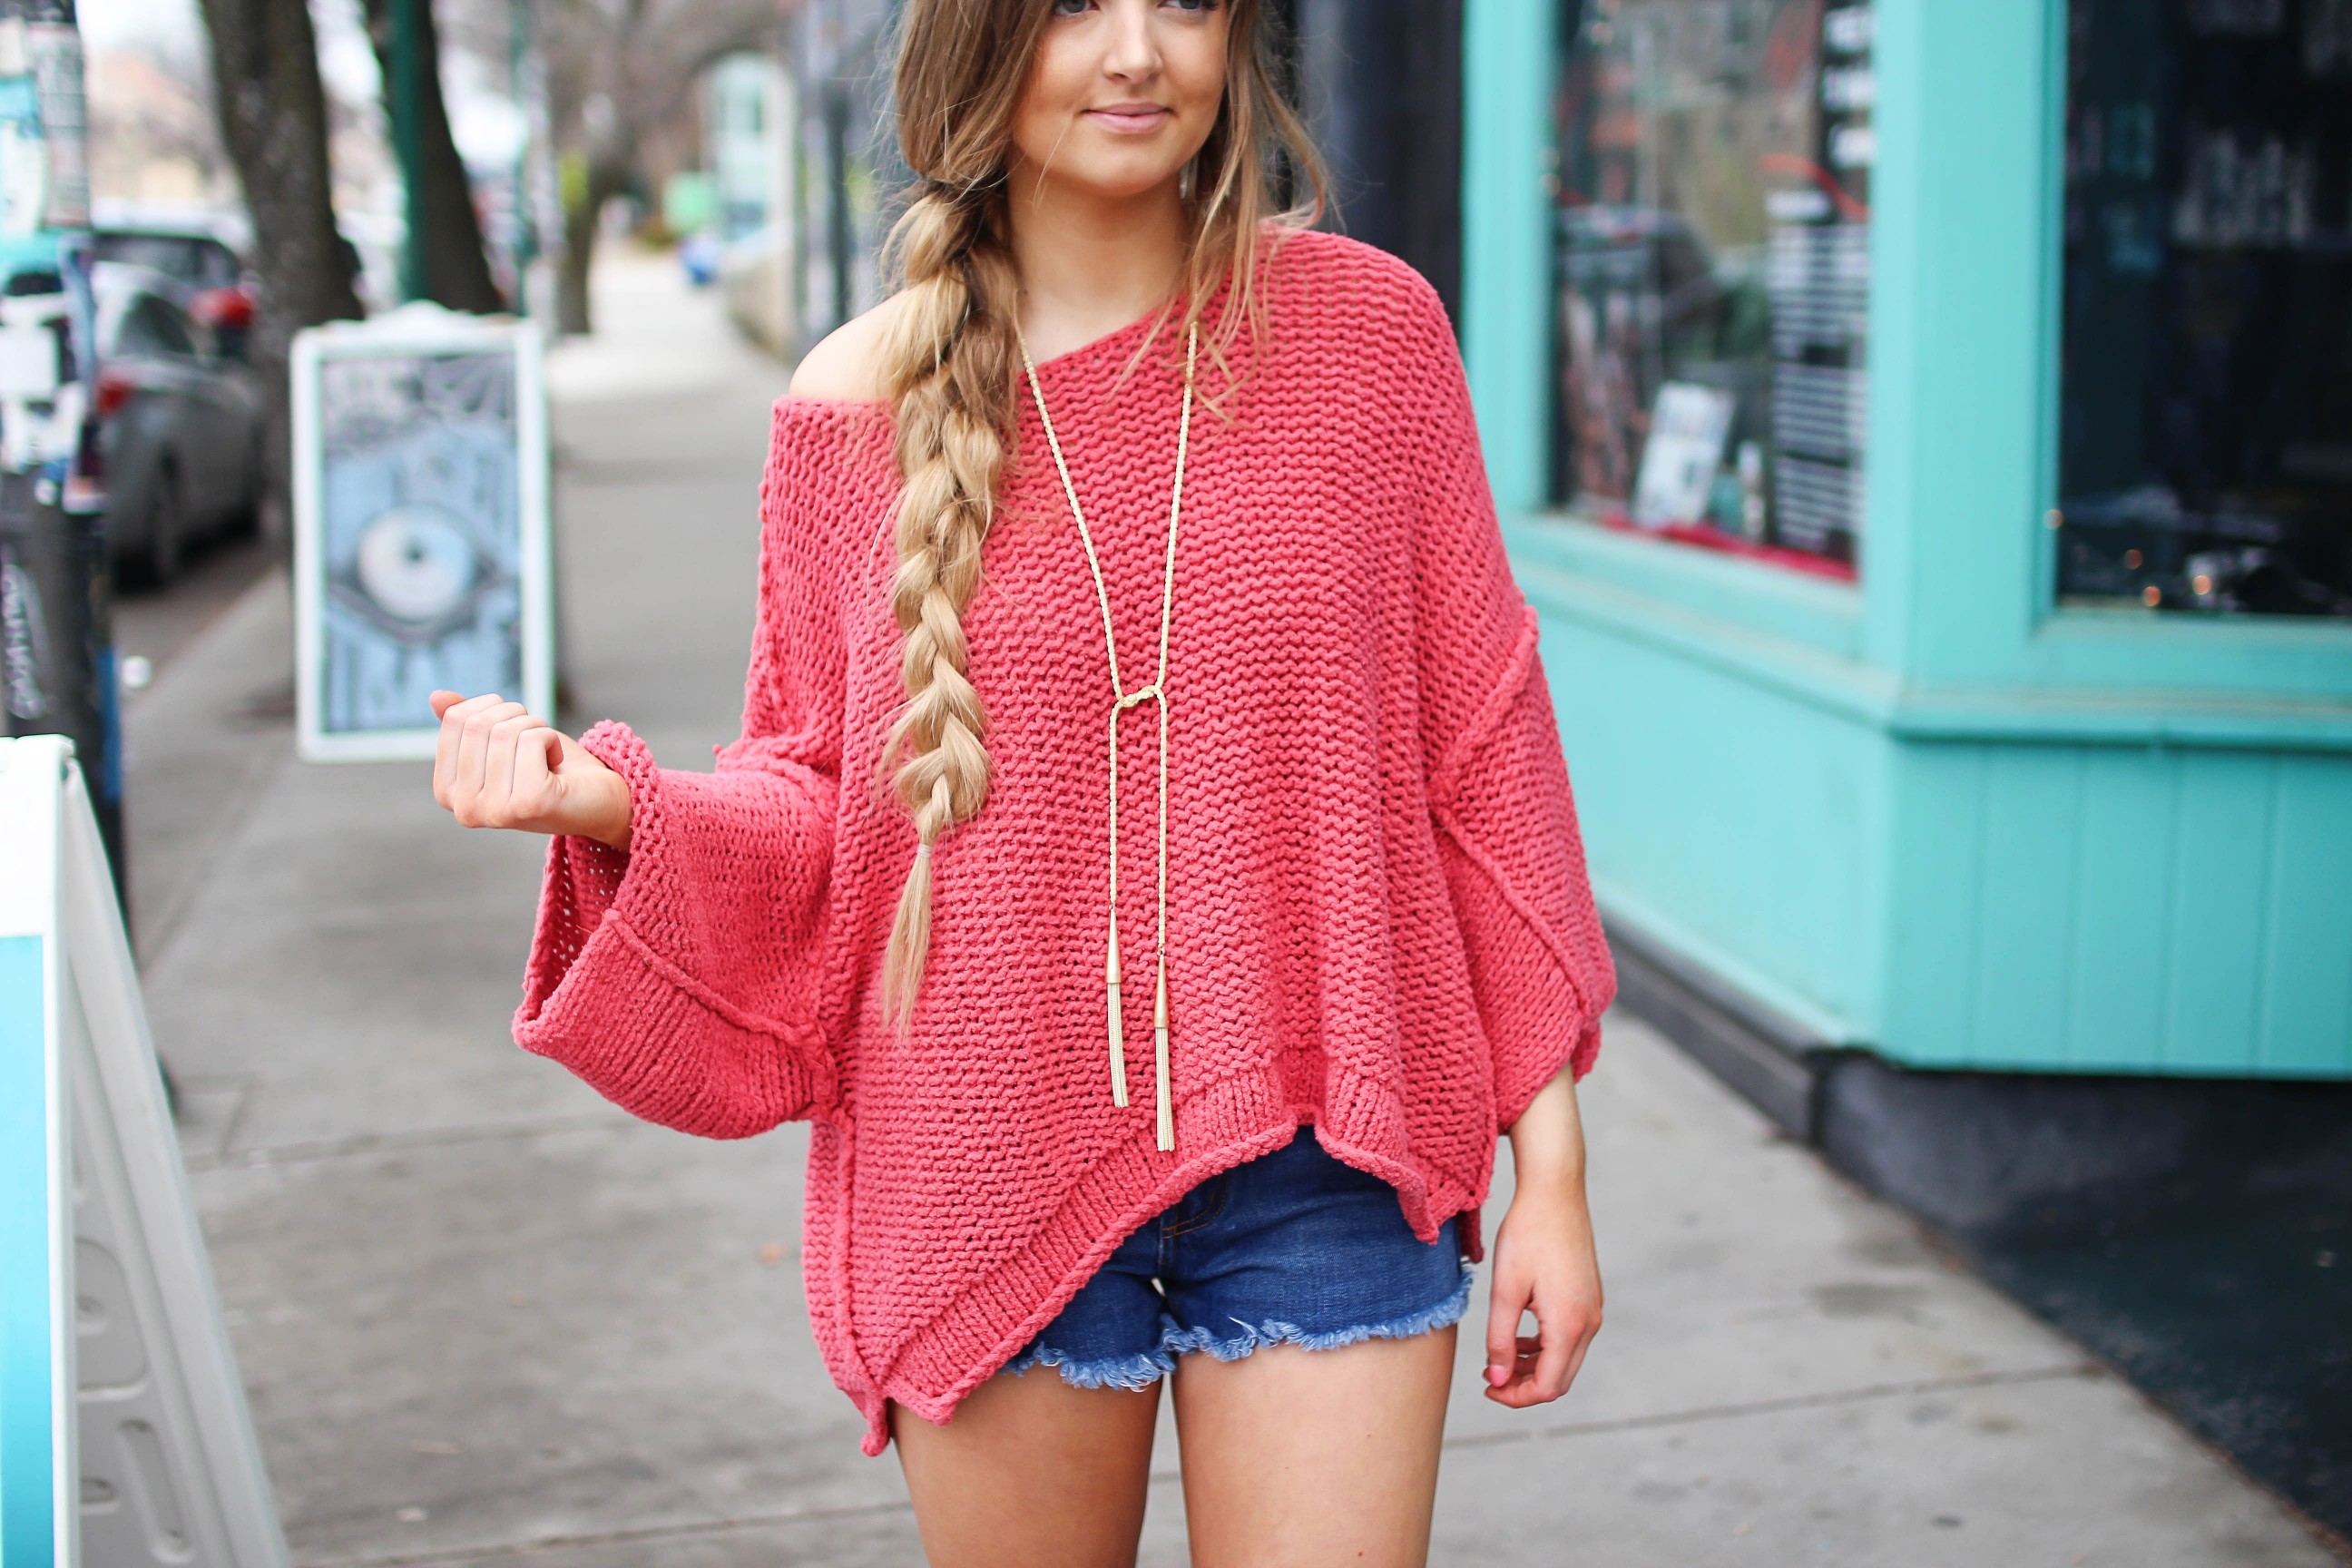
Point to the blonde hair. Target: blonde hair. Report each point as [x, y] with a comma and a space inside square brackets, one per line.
[949, 354]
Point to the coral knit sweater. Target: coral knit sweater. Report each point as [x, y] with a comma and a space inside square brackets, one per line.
[1378, 920]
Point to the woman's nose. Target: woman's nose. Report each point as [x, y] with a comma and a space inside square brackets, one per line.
[1133, 54]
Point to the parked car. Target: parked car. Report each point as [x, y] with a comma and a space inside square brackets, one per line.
[195, 250]
[180, 424]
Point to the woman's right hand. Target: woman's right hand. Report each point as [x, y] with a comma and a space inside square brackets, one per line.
[499, 766]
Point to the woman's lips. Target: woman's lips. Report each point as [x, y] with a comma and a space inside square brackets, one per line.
[1130, 119]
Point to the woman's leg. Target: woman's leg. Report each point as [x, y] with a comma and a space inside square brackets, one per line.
[1031, 1473]
[1299, 1456]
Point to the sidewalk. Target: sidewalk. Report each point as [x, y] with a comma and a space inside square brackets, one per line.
[482, 1315]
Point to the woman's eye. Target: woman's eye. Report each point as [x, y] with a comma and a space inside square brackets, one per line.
[1070, 7]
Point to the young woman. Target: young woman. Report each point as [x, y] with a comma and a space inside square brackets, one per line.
[1133, 493]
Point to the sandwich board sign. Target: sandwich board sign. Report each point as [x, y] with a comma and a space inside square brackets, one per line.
[421, 552]
[124, 1437]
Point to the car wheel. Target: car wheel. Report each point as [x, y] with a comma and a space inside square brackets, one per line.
[161, 552]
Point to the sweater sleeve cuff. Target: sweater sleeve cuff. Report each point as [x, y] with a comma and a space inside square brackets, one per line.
[628, 1017]
[586, 877]
[623, 1019]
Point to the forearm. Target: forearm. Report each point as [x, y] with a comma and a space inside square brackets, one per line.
[1548, 1142]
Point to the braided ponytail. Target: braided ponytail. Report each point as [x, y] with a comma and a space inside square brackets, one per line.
[948, 368]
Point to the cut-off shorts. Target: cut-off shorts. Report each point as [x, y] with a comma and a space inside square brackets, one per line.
[1292, 1248]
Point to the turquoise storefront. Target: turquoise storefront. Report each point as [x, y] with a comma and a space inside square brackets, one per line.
[1909, 785]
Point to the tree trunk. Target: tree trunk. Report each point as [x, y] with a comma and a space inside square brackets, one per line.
[273, 120]
[456, 270]
[606, 179]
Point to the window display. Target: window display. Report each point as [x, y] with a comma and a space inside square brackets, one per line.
[2205, 422]
[1713, 271]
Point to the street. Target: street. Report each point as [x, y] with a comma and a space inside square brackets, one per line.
[482, 1314]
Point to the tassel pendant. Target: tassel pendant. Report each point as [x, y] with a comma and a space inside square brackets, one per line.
[1118, 1022]
[1159, 1057]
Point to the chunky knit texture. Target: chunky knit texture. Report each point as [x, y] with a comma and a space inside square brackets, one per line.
[1379, 917]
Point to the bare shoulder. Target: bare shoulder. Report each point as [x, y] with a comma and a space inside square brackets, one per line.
[846, 366]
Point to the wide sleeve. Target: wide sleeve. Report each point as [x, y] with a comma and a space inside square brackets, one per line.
[679, 979]
[1496, 779]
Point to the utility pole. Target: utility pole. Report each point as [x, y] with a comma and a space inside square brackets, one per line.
[57, 582]
[522, 86]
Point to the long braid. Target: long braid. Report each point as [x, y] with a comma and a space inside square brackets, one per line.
[948, 362]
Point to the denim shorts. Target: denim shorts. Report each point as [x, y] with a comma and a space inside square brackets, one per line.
[1292, 1248]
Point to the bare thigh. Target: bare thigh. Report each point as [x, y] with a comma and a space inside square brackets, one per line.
[1300, 1456]
[1031, 1473]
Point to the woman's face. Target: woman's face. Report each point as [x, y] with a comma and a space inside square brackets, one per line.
[1122, 94]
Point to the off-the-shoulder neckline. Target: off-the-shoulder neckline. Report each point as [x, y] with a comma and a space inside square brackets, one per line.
[792, 402]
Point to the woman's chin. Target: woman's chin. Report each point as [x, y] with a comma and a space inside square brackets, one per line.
[1122, 182]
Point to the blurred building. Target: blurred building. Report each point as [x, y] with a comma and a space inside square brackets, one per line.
[845, 163]
[151, 135]
[750, 118]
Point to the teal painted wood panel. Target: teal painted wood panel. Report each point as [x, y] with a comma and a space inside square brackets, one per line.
[2219, 906]
[2123, 908]
[1747, 825]
[2026, 884]
[1932, 915]
[2306, 1006]
[2112, 910]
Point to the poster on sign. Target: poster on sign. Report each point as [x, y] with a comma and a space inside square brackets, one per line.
[420, 527]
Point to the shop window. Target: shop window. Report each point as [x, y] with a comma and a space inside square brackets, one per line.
[1712, 272]
[2205, 410]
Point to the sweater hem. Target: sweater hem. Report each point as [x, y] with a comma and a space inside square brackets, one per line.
[1359, 1122]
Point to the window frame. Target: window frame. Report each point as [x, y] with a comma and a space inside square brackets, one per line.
[1957, 596]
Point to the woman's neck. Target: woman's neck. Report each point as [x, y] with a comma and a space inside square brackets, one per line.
[1090, 265]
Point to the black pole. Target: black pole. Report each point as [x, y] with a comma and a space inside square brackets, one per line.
[56, 581]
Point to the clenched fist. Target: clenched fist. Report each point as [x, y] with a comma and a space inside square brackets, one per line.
[499, 766]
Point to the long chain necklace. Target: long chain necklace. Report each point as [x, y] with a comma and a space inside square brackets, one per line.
[1121, 701]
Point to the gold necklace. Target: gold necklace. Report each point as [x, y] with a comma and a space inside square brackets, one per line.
[1121, 701]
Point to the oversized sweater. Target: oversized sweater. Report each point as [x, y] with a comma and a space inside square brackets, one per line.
[1378, 920]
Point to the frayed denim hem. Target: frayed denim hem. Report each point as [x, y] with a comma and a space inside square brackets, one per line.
[1136, 1372]
[1274, 1331]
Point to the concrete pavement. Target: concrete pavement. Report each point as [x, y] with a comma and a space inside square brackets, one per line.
[483, 1316]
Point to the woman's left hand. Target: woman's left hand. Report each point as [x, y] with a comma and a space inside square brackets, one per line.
[1544, 1259]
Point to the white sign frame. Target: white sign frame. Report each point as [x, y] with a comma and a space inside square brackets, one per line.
[152, 1458]
[406, 333]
